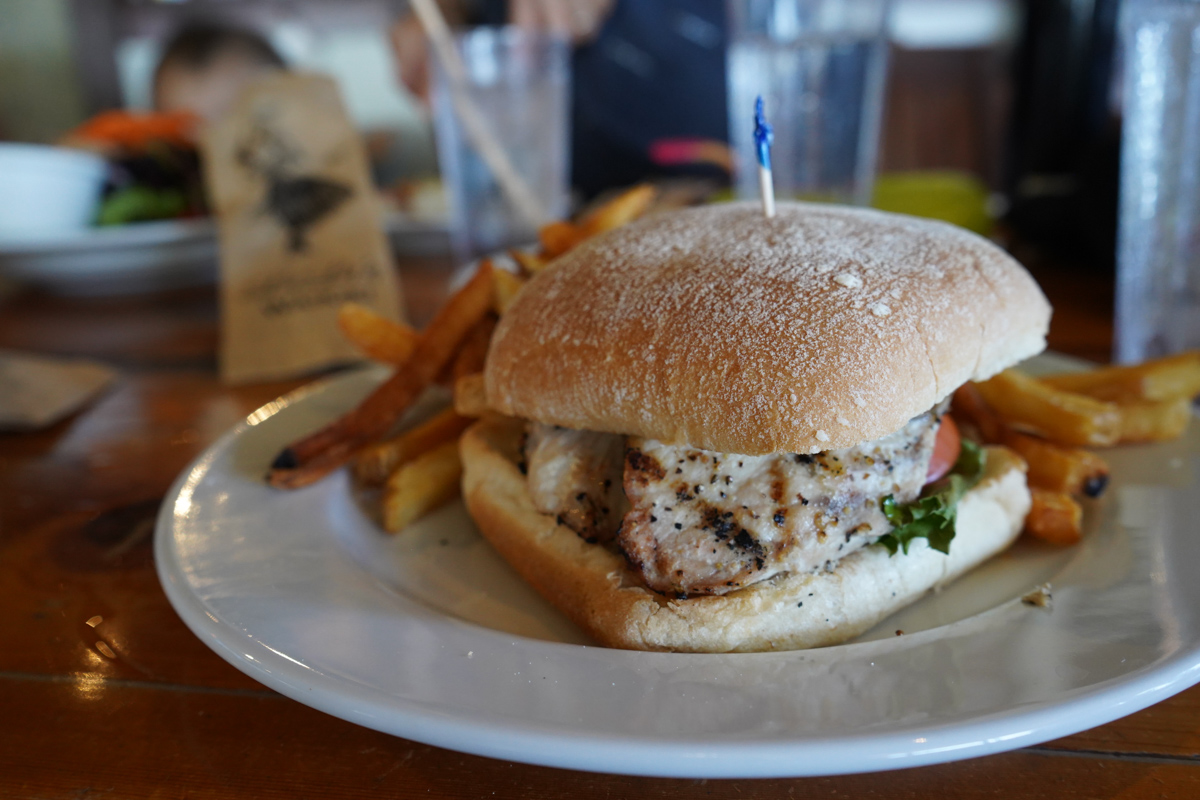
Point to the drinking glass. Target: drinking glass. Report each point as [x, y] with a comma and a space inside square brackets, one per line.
[520, 82]
[820, 67]
[1158, 235]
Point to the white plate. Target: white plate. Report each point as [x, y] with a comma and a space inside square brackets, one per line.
[153, 256]
[139, 257]
[429, 636]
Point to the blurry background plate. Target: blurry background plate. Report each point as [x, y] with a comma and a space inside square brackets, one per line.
[154, 256]
[139, 257]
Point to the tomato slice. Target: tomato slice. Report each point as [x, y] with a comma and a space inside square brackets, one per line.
[945, 449]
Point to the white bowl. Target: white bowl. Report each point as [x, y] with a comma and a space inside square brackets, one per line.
[47, 190]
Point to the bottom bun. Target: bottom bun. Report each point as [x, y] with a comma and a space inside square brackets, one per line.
[594, 587]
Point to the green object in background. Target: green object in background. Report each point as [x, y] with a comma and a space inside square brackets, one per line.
[955, 197]
[141, 204]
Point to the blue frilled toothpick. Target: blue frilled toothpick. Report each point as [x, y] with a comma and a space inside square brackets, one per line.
[763, 137]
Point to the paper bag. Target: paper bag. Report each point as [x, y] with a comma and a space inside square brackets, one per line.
[299, 227]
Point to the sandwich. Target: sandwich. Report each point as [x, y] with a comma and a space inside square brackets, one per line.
[720, 432]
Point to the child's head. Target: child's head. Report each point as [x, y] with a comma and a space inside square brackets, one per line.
[205, 66]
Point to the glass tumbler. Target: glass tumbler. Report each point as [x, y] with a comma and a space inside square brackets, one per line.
[1158, 234]
[820, 66]
[520, 83]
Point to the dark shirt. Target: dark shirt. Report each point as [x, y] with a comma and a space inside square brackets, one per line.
[655, 73]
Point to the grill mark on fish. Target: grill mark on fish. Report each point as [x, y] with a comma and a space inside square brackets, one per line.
[775, 513]
[576, 477]
[643, 467]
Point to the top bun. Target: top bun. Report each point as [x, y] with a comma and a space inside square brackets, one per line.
[715, 327]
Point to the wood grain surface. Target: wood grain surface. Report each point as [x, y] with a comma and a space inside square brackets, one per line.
[107, 694]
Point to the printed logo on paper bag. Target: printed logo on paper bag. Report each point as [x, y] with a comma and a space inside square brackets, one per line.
[296, 201]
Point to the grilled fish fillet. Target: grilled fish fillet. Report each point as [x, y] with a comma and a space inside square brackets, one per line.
[694, 521]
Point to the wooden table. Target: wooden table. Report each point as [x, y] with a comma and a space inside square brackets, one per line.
[107, 694]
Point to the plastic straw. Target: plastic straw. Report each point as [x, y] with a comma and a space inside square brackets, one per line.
[477, 130]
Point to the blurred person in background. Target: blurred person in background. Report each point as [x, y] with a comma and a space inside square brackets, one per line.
[648, 80]
[205, 66]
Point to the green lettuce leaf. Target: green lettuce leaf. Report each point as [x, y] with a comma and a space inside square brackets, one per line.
[141, 204]
[931, 516]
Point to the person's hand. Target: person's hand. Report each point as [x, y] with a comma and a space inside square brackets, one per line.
[578, 20]
[411, 49]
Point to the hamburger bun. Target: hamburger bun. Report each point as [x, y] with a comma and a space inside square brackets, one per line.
[714, 327]
[596, 589]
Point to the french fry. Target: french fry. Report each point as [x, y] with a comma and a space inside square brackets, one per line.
[531, 263]
[622, 209]
[473, 350]
[470, 399]
[375, 463]
[1051, 466]
[1054, 468]
[507, 286]
[1167, 378]
[426, 483]
[375, 336]
[969, 407]
[323, 451]
[1063, 417]
[1154, 420]
[1054, 517]
[559, 237]
[471, 353]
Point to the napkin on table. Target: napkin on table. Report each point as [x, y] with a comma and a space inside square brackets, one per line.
[37, 391]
